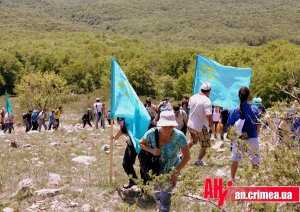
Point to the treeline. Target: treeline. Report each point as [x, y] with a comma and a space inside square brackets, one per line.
[158, 70]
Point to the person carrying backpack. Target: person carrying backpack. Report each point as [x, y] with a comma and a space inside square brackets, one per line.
[129, 154]
[164, 143]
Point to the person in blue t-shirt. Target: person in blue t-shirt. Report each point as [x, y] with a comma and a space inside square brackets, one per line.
[250, 131]
[171, 142]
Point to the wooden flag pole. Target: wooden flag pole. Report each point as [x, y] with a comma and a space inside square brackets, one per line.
[111, 152]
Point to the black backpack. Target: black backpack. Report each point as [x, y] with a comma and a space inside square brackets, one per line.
[149, 162]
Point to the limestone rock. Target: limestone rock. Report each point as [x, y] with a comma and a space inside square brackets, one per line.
[87, 208]
[83, 159]
[47, 192]
[54, 179]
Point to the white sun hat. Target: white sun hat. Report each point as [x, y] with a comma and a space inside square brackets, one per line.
[206, 86]
[167, 119]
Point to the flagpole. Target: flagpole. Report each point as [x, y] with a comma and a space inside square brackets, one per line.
[111, 152]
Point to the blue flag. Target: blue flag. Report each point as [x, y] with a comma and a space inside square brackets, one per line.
[126, 104]
[225, 81]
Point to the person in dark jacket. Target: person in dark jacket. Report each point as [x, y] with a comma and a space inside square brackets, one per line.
[27, 120]
[87, 117]
[129, 154]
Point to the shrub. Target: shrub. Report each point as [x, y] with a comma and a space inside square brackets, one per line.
[41, 90]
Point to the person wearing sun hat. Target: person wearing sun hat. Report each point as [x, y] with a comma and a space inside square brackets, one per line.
[171, 142]
[200, 120]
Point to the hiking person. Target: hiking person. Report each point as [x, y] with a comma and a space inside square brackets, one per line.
[185, 104]
[181, 119]
[103, 117]
[166, 143]
[224, 119]
[34, 119]
[249, 130]
[98, 112]
[129, 154]
[151, 108]
[87, 117]
[42, 120]
[27, 120]
[8, 122]
[108, 117]
[258, 106]
[2, 115]
[58, 113]
[51, 119]
[216, 117]
[163, 106]
[200, 121]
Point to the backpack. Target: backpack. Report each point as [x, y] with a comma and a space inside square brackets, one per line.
[149, 162]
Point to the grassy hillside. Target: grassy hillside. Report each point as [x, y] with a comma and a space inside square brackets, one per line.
[185, 22]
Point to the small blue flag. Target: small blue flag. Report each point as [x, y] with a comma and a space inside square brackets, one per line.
[225, 81]
[126, 104]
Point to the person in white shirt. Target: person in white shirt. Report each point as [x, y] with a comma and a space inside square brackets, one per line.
[98, 107]
[42, 120]
[216, 117]
[200, 120]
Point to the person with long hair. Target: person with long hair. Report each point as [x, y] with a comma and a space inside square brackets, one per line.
[249, 132]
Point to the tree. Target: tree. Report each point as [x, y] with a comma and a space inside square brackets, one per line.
[41, 90]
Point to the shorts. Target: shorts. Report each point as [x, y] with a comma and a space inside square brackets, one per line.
[252, 149]
[202, 137]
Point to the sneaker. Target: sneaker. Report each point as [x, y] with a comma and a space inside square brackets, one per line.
[199, 163]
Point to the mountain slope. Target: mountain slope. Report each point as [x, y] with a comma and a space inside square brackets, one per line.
[180, 21]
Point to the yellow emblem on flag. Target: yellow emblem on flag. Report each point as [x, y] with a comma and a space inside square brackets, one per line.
[208, 71]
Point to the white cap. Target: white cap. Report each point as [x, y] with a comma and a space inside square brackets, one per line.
[167, 119]
[206, 86]
[97, 99]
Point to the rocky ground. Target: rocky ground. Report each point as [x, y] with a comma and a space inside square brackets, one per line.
[68, 170]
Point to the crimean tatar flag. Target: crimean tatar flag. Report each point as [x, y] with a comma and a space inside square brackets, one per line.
[225, 81]
[126, 104]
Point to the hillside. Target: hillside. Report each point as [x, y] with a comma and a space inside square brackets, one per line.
[182, 22]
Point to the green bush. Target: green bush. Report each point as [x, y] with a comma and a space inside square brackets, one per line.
[41, 90]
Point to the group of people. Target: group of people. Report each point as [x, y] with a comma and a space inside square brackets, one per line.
[6, 121]
[98, 113]
[166, 149]
[36, 120]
